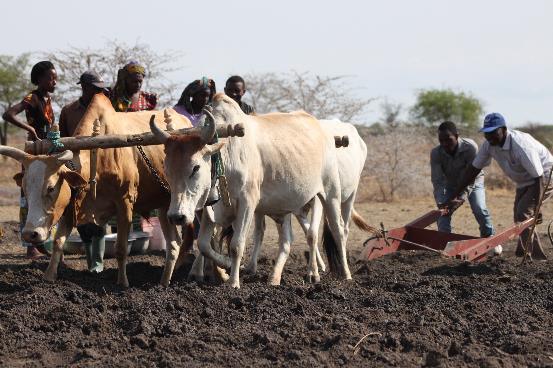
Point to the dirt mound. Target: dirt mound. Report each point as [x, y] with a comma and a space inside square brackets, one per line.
[407, 309]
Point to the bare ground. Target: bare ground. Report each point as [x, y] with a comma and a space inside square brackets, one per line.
[407, 309]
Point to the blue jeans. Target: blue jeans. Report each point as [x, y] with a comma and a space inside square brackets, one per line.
[477, 201]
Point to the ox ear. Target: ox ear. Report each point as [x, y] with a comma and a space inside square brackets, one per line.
[212, 149]
[18, 179]
[74, 179]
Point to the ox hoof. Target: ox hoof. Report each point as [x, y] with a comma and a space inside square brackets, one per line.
[223, 275]
[50, 277]
[250, 269]
[164, 283]
[235, 284]
[123, 283]
[312, 279]
[275, 282]
[195, 277]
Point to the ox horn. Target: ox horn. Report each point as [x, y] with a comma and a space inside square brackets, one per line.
[13, 152]
[160, 134]
[64, 156]
[208, 130]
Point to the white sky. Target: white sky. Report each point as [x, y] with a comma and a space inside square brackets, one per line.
[501, 51]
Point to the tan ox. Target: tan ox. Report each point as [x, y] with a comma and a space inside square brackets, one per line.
[281, 164]
[124, 184]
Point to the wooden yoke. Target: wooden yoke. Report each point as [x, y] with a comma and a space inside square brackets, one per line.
[125, 140]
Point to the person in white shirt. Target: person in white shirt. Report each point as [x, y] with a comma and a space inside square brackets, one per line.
[525, 161]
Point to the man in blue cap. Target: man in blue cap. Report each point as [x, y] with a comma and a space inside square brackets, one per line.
[525, 161]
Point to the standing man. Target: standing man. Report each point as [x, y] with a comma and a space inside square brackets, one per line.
[525, 161]
[71, 114]
[235, 87]
[448, 162]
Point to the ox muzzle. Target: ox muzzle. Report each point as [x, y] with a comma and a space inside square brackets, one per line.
[35, 235]
[179, 219]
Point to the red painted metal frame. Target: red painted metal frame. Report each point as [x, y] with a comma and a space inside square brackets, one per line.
[465, 247]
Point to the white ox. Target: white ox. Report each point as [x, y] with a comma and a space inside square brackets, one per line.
[351, 160]
[283, 162]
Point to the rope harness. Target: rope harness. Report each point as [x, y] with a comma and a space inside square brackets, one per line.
[54, 137]
[218, 174]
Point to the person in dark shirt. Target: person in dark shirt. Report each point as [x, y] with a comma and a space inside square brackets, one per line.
[235, 87]
[37, 105]
[71, 114]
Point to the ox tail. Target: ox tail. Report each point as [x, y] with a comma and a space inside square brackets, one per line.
[226, 236]
[331, 250]
[362, 224]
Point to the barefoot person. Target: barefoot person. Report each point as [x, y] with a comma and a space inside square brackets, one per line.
[525, 161]
[40, 117]
[448, 162]
[91, 234]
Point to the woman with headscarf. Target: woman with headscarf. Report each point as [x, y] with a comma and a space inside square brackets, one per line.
[194, 98]
[127, 95]
[37, 105]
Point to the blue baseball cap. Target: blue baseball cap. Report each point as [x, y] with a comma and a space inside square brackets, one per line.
[492, 122]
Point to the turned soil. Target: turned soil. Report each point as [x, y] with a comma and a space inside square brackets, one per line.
[405, 309]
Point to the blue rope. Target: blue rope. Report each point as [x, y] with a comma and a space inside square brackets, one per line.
[54, 138]
[217, 168]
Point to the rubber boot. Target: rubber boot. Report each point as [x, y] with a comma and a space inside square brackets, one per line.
[95, 254]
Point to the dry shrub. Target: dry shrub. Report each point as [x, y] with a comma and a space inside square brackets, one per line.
[397, 165]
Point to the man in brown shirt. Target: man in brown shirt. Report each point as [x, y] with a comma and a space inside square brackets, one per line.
[71, 114]
[91, 234]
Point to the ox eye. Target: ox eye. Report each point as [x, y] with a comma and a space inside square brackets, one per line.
[50, 189]
[195, 170]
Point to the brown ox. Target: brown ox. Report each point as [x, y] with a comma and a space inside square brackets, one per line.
[124, 184]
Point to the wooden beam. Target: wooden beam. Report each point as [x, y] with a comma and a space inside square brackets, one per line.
[125, 140]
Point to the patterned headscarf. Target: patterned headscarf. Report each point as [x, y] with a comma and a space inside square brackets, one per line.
[120, 100]
[192, 88]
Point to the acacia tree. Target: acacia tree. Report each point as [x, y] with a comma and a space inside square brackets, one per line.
[14, 84]
[434, 106]
[323, 97]
[106, 61]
